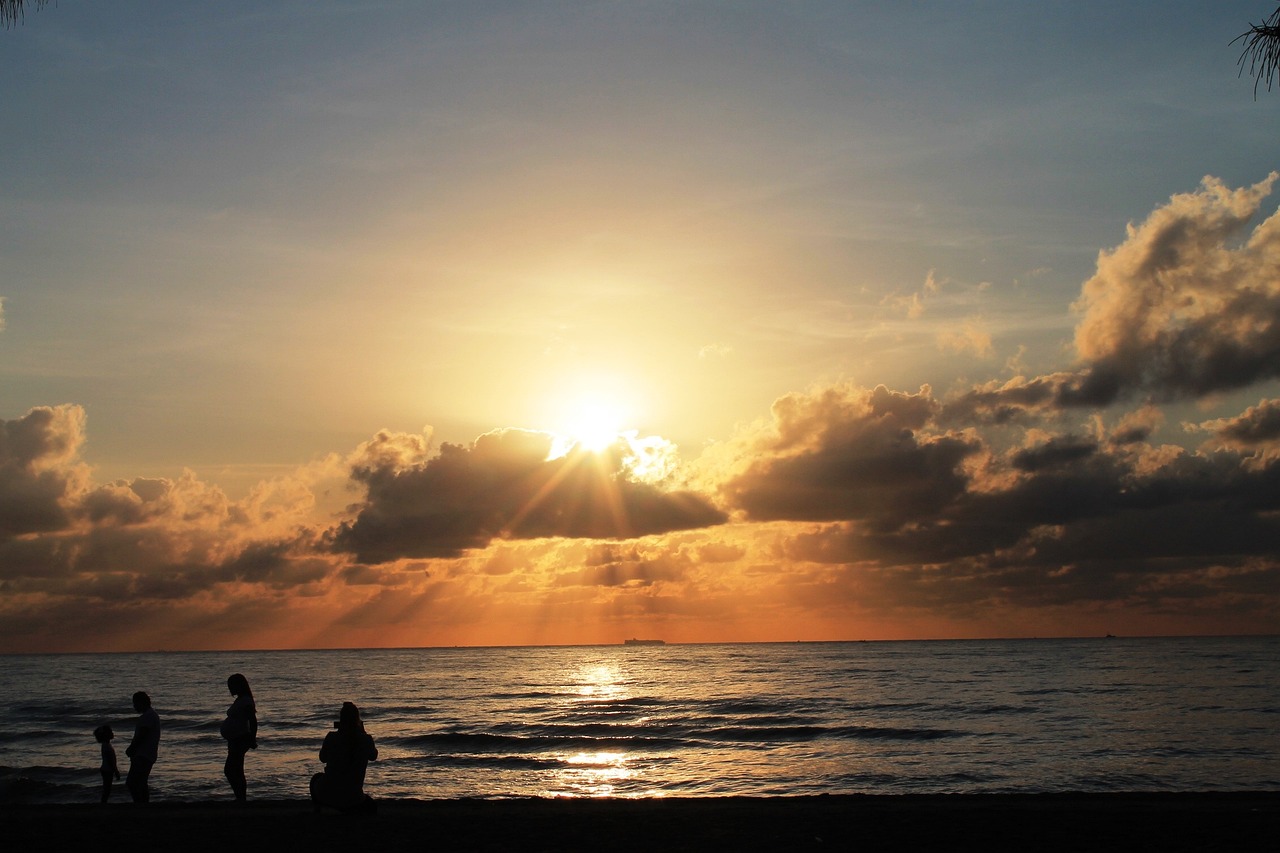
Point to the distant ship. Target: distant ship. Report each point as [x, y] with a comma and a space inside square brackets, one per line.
[644, 642]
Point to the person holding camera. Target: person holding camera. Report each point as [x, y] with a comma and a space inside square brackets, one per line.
[346, 754]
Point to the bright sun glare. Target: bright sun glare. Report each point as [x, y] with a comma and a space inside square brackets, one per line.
[592, 425]
[596, 426]
[599, 418]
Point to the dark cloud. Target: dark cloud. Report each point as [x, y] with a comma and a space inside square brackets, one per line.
[1137, 426]
[1257, 426]
[1067, 480]
[1011, 494]
[1057, 452]
[627, 572]
[504, 486]
[1015, 401]
[848, 453]
[39, 474]
[127, 542]
[1066, 519]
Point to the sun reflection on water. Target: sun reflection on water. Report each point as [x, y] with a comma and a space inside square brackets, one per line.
[595, 691]
[600, 681]
[596, 774]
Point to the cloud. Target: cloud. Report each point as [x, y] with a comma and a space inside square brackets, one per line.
[1078, 523]
[1137, 426]
[1057, 452]
[1187, 306]
[969, 336]
[503, 486]
[913, 305]
[1038, 497]
[715, 351]
[40, 474]
[849, 453]
[915, 502]
[1184, 307]
[1257, 426]
[1016, 400]
[144, 539]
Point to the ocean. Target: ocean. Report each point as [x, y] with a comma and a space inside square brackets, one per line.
[1114, 714]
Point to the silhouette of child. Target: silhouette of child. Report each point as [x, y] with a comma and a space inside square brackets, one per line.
[110, 769]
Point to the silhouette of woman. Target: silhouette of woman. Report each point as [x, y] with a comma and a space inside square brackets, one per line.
[346, 753]
[240, 728]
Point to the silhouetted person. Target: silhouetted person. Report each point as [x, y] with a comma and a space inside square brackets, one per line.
[110, 769]
[143, 748]
[240, 728]
[346, 753]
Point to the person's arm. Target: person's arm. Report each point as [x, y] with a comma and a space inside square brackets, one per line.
[140, 735]
[371, 750]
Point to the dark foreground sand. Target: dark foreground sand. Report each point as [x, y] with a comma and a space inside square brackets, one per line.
[1031, 822]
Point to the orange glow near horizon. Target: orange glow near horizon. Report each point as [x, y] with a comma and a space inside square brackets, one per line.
[447, 324]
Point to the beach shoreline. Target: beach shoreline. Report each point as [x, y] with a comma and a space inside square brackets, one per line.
[1044, 822]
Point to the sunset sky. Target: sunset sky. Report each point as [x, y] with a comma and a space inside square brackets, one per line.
[451, 323]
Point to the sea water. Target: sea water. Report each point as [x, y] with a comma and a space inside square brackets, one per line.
[1114, 714]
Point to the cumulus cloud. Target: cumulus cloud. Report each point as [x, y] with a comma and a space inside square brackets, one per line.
[1189, 304]
[938, 501]
[1027, 494]
[123, 542]
[1137, 426]
[40, 474]
[1257, 426]
[1016, 400]
[1068, 520]
[504, 486]
[849, 453]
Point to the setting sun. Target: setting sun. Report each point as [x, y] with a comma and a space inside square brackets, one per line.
[594, 415]
[536, 325]
[595, 425]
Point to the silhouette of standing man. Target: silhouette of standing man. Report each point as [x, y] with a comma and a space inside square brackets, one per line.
[143, 749]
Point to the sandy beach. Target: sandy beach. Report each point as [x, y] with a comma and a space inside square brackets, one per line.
[1042, 822]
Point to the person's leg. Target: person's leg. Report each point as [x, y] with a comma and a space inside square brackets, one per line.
[317, 791]
[234, 770]
[106, 784]
[136, 781]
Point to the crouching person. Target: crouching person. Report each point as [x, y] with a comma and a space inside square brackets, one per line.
[346, 753]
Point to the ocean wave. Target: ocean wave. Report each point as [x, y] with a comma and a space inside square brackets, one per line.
[834, 718]
[766, 734]
[485, 742]
[26, 735]
[494, 762]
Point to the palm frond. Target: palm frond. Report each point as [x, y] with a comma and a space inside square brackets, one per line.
[1261, 51]
[11, 11]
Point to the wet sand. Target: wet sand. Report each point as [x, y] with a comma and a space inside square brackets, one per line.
[1040, 822]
